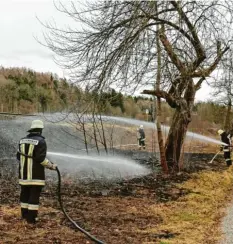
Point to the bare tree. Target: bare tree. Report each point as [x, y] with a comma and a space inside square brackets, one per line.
[112, 43]
[88, 121]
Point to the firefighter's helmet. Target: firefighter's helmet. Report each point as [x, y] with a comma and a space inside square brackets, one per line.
[141, 126]
[37, 124]
[220, 132]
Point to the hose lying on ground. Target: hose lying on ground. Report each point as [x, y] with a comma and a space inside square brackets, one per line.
[68, 217]
[211, 161]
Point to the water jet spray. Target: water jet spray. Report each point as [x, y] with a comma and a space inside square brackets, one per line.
[98, 166]
[164, 127]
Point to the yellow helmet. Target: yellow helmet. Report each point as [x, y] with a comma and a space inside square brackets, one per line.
[220, 132]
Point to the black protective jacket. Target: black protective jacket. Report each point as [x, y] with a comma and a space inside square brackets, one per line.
[226, 138]
[141, 133]
[32, 159]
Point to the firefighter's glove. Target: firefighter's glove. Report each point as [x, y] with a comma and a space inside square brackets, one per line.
[221, 148]
[54, 167]
[51, 166]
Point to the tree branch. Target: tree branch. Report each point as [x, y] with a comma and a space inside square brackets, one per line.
[168, 47]
[162, 94]
[195, 41]
[206, 72]
[198, 85]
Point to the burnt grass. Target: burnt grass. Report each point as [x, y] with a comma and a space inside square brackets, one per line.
[156, 182]
[96, 204]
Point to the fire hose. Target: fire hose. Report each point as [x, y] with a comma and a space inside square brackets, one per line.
[91, 237]
[211, 161]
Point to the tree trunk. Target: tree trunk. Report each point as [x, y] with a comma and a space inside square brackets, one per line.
[158, 109]
[227, 123]
[160, 138]
[175, 139]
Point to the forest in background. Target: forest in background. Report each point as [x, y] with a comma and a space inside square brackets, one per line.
[26, 91]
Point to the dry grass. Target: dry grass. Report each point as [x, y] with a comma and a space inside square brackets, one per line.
[125, 137]
[15, 231]
[195, 217]
[192, 219]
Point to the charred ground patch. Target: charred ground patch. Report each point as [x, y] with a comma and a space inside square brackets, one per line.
[140, 210]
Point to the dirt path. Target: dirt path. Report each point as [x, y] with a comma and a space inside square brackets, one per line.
[227, 226]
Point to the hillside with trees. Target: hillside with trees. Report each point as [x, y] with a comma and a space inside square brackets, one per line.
[26, 91]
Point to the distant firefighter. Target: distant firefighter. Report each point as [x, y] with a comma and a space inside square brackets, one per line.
[141, 137]
[226, 138]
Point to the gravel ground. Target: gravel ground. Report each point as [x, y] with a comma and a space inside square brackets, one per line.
[227, 226]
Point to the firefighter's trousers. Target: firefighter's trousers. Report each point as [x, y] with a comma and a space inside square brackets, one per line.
[29, 201]
[141, 143]
[227, 156]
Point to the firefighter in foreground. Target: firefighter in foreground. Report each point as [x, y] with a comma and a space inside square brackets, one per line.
[226, 138]
[32, 159]
[141, 137]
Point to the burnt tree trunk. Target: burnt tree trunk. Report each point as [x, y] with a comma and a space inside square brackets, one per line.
[175, 138]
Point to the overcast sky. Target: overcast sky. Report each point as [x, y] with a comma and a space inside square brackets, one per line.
[19, 27]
